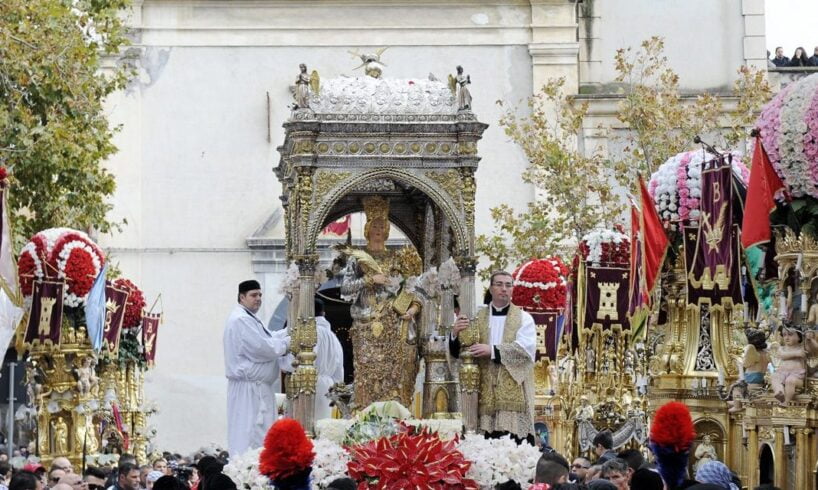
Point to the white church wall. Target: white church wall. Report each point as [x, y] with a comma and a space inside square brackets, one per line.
[704, 40]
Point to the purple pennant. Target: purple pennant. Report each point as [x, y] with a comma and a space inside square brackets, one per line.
[115, 300]
[45, 320]
[607, 297]
[547, 335]
[712, 248]
[150, 327]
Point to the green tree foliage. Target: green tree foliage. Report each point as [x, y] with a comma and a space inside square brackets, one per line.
[53, 132]
[577, 186]
[577, 195]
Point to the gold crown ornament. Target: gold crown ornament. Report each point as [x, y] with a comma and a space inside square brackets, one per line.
[376, 207]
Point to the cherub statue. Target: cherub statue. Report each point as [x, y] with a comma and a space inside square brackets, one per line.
[86, 376]
[755, 360]
[373, 66]
[789, 375]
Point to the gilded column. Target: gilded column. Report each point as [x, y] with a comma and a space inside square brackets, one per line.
[469, 371]
[304, 377]
[734, 449]
[752, 456]
[780, 459]
[803, 468]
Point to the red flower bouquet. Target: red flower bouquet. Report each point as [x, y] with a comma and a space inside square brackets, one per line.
[540, 285]
[409, 461]
[61, 253]
[135, 304]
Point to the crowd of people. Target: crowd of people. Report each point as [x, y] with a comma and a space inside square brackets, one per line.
[799, 58]
[169, 472]
[624, 470]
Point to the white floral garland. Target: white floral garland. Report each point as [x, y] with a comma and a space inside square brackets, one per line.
[595, 239]
[70, 298]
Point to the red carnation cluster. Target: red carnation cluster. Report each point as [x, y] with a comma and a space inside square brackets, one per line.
[135, 304]
[410, 461]
[60, 252]
[287, 451]
[3, 173]
[539, 285]
[31, 264]
[79, 271]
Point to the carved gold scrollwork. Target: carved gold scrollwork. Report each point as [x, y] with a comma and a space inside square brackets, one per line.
[449, 181]
[326, 180]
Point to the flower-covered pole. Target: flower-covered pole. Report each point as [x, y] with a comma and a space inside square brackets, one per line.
[304, 340]
[469, 371]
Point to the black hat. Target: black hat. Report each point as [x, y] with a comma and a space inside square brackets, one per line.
[249, 285]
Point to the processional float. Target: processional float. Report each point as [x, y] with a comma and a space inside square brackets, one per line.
[87, 343]
[412, 144]
[717, 315]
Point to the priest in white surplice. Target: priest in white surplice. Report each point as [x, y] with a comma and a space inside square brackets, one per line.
[329, 362]
[505, 353]
[251, 358]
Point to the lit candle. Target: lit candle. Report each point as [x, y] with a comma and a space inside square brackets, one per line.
[721, 377]
[782, 305]
[746, 312]
[786, 432]
[803, 302]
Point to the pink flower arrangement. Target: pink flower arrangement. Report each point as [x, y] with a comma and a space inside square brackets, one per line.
[789, 131]
[676, 185]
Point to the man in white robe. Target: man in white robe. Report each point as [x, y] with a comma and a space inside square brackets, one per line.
[329, 362]
[251, 357]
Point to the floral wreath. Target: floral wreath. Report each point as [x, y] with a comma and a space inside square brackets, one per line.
[789, 130]
[540, 285]
[61, 253]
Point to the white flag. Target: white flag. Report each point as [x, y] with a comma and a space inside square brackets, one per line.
[10, 315]
[8, 266]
